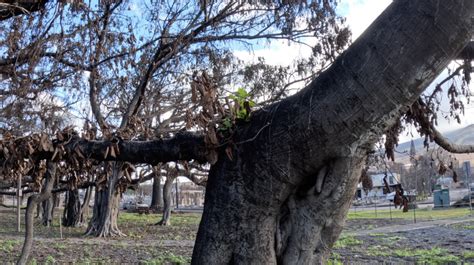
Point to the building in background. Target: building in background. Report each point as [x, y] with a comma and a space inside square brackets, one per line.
[378, 190]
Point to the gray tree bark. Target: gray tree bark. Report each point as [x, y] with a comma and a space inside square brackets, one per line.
[85, 204]
[48, 211]
[30, 208]
[157, 194]
[172, 174]
[284, 197]
[106, 207]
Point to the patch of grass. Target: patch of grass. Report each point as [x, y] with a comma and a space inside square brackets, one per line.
[335, 259]
[428, 256]
[186, 219]
[9, 245]
[59, 245]
[177, 219]
[464, 226]
[421, 214]
[50, 260]
[135, 218]
[391, 240]
[468, 254]
[378, 251]
[377, 234]
[347, 241]
[99, 261]
[394, 238]
[167, 258]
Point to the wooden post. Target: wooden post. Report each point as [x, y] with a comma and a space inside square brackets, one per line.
[60, 226]
[18, 206]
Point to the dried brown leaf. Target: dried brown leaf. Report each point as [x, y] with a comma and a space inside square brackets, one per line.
[228, 152]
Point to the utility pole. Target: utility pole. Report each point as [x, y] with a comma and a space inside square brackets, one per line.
[414, 162]
[467, 171]
[416, 191]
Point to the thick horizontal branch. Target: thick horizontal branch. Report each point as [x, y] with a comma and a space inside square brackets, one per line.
[183, 146]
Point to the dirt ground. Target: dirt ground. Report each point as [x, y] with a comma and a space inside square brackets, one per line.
[365, 240]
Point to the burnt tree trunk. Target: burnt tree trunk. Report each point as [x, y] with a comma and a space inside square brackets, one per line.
[106, 207]
[284, 196]
[72, 216]
[157, 194]
[172, 174]
[33, 201]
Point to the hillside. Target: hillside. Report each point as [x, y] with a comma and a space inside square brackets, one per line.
[460, 136]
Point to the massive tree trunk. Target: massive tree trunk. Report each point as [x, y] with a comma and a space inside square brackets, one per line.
[72, 215]
[157, 194]
[284, 196]
[106, 207]
[30, 208]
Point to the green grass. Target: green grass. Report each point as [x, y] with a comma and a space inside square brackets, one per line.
[468, 254]
[421, 214]
[9, 245]
[378, 251]
[177, 219]
[167, 258]
[428, 256]
[464, 226]
[347, 241]
[50, 260]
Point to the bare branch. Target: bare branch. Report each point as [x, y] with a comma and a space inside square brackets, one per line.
[449, 146]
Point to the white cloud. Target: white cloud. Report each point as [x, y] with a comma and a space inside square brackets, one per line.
[361, 13]
[277, 53]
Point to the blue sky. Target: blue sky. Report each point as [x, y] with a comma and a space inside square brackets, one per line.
[359, 15]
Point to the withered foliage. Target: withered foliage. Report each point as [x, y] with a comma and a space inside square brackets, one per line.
[206, 98]
[124, 69]
[423, 113]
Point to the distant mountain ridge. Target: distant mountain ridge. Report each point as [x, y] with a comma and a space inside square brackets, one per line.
[460, 136]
